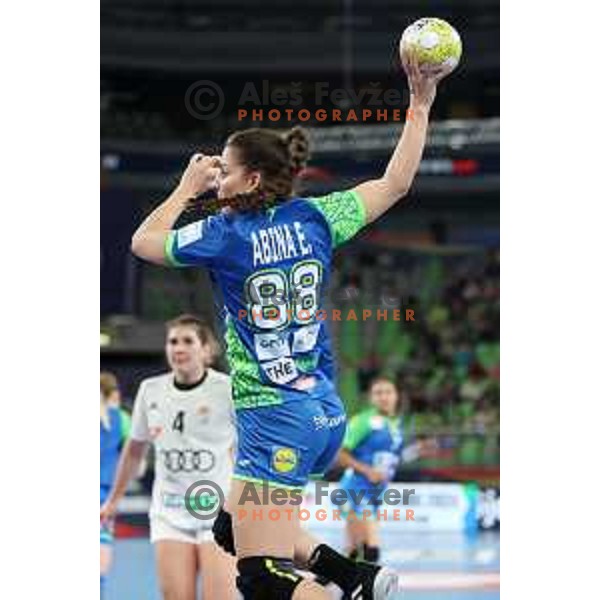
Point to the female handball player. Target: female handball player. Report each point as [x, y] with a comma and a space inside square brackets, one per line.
[370, 452]
[187, 414]
[270, 255]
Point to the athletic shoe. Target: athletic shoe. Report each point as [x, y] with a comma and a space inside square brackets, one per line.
[374, 583]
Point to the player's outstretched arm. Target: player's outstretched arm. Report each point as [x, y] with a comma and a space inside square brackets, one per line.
[149, 240]
[381, 194]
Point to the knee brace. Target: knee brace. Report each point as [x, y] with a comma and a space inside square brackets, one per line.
[223, 532]
[371, 553]
[267, 578]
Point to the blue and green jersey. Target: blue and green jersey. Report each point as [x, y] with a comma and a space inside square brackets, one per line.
[376, 440]
[272, 268]
[111, 440]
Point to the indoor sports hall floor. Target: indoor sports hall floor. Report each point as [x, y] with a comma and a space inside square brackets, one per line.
[434, 566]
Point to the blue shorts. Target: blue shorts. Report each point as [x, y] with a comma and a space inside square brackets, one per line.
[288, 444]
[359, 497]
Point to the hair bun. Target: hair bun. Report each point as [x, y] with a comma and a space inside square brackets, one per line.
[298, 144]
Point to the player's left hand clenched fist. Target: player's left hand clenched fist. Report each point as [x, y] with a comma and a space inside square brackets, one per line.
[201, 174]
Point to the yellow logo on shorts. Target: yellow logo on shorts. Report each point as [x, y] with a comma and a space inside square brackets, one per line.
[285, 460]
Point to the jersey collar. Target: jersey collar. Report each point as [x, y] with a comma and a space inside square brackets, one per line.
[186, 387]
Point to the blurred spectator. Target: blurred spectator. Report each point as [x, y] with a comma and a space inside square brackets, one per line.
[447, 360]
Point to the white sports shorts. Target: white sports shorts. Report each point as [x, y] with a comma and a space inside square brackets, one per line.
[162, 530]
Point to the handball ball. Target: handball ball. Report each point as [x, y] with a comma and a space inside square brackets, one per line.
[435, 44]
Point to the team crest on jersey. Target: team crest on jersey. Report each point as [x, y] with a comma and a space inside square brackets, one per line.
[204, 413]
[155, 432]
[377, 422]
[284, 460]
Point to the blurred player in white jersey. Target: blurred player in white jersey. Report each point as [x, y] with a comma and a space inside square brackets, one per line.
[187, 414]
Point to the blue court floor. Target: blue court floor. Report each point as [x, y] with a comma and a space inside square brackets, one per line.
[433, 566]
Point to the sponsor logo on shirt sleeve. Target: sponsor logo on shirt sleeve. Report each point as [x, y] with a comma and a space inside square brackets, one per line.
[189, 234]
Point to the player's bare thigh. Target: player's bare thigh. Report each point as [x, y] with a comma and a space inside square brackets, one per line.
[268, 529]
[218, 571]
[264, 528]
[177, 564]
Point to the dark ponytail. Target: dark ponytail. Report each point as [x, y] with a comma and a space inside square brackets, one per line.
[298, 148]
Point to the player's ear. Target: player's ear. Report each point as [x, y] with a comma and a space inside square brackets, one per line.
[253, 179]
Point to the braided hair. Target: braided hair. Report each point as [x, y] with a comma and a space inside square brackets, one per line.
[277, 157]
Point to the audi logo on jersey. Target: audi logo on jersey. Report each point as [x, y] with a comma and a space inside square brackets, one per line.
[188, 461]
